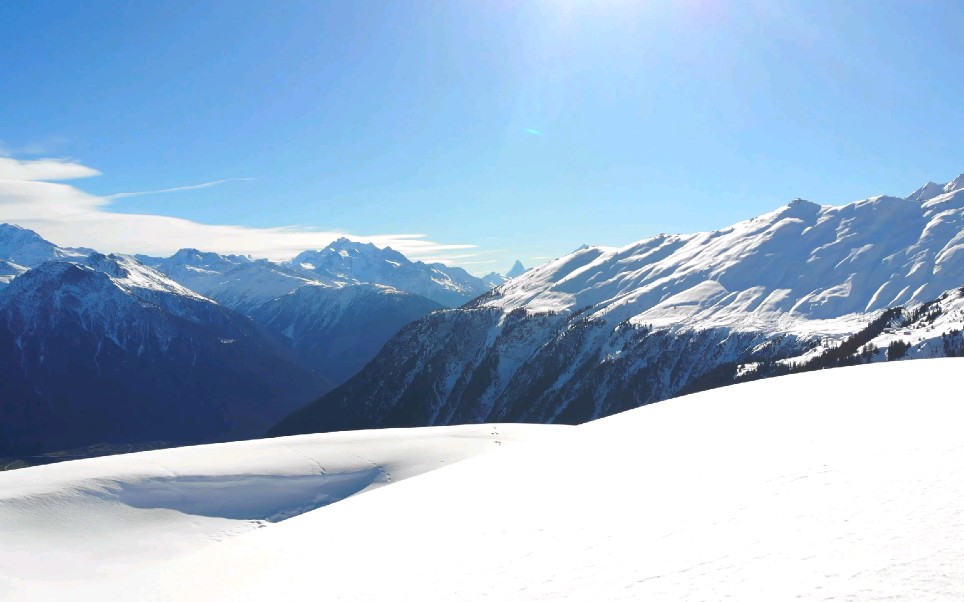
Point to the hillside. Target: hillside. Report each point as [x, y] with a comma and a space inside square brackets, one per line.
[107, 350]
[603, 330]
[839, 484]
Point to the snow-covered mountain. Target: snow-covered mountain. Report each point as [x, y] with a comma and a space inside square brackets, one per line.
[351, 262]
[602, 330]
[9, 271]
[337, 330]
[27, 248]
[235, 281]
[123, 319]
[840, 484]
[105, 349]
[493, 279]
[516, 270]
[244, 283]
[334, 322]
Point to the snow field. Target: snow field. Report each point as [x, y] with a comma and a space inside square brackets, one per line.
[75, 530]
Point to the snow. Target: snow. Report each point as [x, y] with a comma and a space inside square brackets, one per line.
[839, 484]
[349, 262]
[9, 271]
[26, 247]
[493, 279]
[70, 529]
[517, 269]
[235, 281]
[807, 262]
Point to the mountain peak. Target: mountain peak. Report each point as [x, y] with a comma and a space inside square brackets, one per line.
[494, 279]
[187, 252]
[926, 192]
[345, 243]
[354, 262]
[194, 256]
[517, 269]
[15, 231]
[27, 248]
[955, 184]
[932, 189]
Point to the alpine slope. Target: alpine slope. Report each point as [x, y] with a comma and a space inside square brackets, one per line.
[835, 484]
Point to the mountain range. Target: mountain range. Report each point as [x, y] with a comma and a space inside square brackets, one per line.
[606, 329]
[201, 346]
[105, 349]
[190, 348]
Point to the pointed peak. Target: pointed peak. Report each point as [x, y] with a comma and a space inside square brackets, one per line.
[926, 192]
[517, 270]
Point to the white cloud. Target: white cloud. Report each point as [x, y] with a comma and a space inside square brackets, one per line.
[43, 170]
[124, 195]
[68, 216]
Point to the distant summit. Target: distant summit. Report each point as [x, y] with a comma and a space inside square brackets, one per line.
[494, 279]
[931, 190]
[517, 270]
[349, 262]
[26, 248]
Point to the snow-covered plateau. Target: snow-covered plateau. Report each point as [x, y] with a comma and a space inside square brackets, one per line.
[837, 484]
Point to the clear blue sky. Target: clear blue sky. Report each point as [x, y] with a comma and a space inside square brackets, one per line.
[524, 128]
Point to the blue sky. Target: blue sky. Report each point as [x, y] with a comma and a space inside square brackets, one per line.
[495, 129]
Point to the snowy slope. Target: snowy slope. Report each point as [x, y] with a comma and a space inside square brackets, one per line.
[493, 279]
[926, 330]
[107, 350]
[83, 524]
[839, 484]
[27, 248]
[336, 313]
[9, 271]
[234, 281]
[603, 330]
[810, 260]
[351, 262]
[337, 330]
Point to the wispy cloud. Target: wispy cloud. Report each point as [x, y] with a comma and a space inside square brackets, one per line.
[124, 195]
[69, 216]
[44, 146]
[43, 170]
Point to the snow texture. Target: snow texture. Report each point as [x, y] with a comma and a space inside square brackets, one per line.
[838, 484]
[76, 528]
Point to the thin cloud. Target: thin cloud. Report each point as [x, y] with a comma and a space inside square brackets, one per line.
[43, 170]
[69, 216]
[125, 195]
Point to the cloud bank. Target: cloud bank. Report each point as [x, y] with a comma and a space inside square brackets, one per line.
[67, 216]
